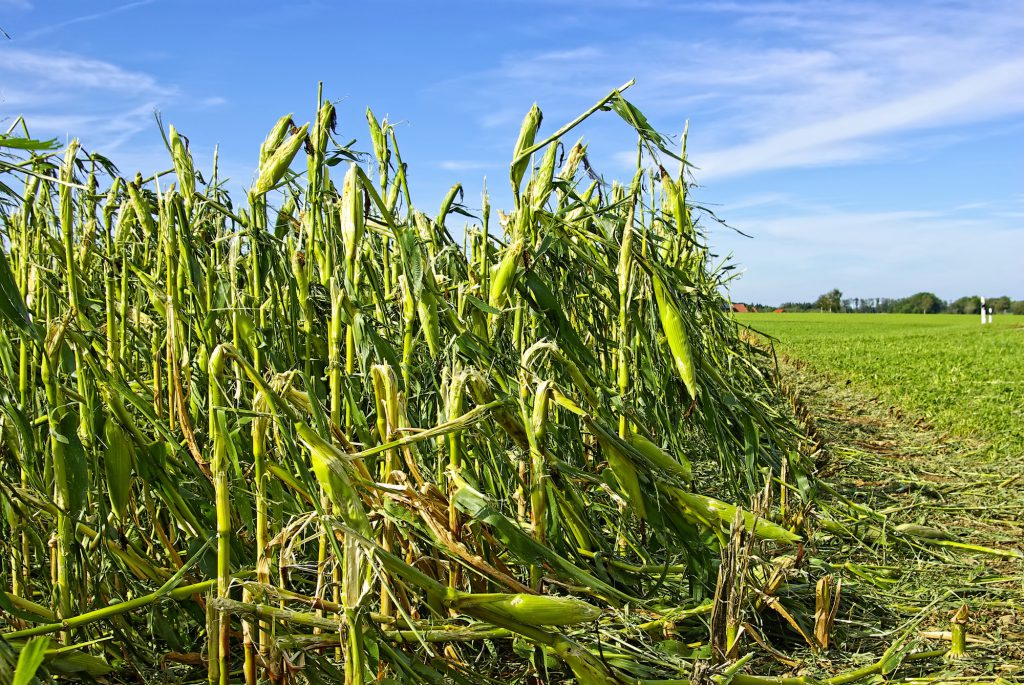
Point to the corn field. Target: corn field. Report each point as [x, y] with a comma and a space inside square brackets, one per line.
[320, 435]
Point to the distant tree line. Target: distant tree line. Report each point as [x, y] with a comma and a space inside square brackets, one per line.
[918, 303]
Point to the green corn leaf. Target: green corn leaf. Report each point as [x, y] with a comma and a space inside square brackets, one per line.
[30, 659]
[12, 304]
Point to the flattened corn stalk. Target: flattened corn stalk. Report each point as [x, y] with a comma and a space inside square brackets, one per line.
[423, 442]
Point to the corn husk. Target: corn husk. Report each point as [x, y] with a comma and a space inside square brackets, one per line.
[117, 466]
[274, 168]
[676, 466]
[678, 341]
[531, 610]
[527, 134]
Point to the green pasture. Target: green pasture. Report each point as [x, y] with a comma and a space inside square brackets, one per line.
[958, 374]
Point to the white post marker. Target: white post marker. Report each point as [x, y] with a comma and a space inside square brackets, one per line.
[983, 311]
[991, 311]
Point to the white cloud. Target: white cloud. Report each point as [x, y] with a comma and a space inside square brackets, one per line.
[48, 69]
[463, 165]
[57, 26]
[787, 85]
[1000, 88]
[761, 200]
[111, 129]
[67, 95]
[803, 252]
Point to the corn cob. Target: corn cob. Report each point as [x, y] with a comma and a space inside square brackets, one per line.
[530, 610]
[118, 468]
[273, 169]
[678, 340]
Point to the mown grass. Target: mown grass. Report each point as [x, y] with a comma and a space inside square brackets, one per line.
[919, 416]
[915, 475]
[957, 374]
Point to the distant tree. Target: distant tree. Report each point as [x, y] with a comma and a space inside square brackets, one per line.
[930, 303]
[919, 303]
[1017, 307]
[971, 304]
[1000, 305]
[831, 301]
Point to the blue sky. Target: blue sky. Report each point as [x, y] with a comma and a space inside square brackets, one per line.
[873, 147]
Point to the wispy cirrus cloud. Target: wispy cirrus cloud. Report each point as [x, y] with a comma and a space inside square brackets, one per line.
[462, 164]
[65, 94]
[105, 103]
[92, 16]
[45, 69]
[787, 85]
[110, 108]
[840, 138]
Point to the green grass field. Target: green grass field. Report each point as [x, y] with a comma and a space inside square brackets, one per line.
[961, 376]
